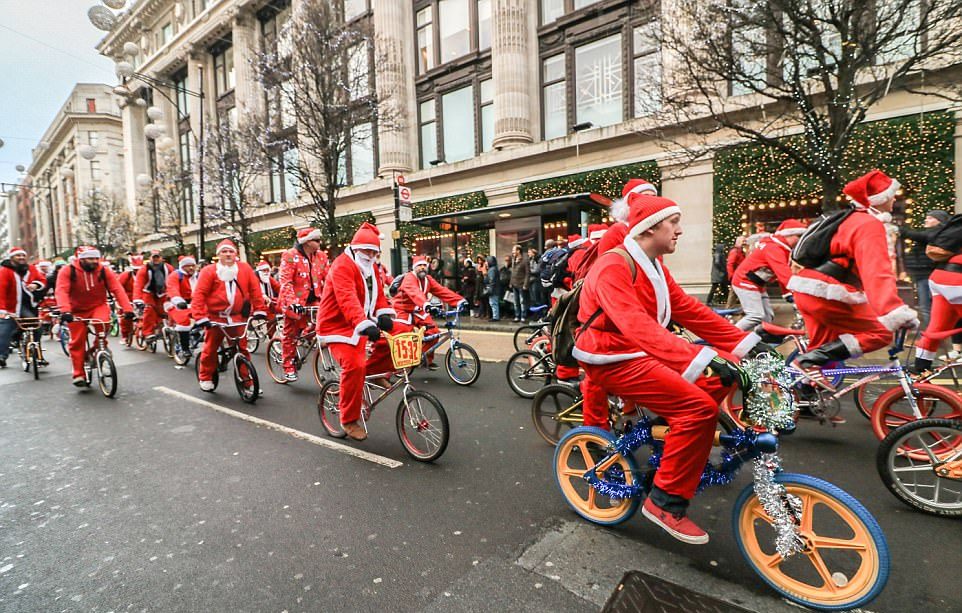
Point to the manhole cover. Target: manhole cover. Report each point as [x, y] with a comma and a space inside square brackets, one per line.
[641, 593]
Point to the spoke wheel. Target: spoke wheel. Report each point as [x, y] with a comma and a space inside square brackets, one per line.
[328, 411]
[577, 452]
[34, 363]
[555, 410]
[170, 342]
[462, 364]
[422, 426]
[106, 374]
[245, 379]
[255, 331]
[323, 374]
[275, 360]
[909, 457]
[528, 372]
[892, 409]
[867, 394]
[65, 339]
[521, 336]
[845, 563]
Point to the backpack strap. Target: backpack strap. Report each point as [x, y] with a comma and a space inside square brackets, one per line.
[634, 274]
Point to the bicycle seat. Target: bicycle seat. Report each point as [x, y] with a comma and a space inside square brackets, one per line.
[781, 331]
[538, 309]
[727, 312]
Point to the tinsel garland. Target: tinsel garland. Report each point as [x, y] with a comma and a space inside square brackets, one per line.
[769, 405]
[783, 508]
[614, 486]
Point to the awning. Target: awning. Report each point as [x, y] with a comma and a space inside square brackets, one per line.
[485, 217]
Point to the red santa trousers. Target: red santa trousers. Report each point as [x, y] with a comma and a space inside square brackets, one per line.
[213, 337]
[832, 320]
[78, 335]
[180, 318]
[355, 365]
[126, 326]
[292, 329]
[944, 316]
[691, 410]
[153, 314]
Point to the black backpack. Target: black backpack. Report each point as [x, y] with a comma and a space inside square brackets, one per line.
[949, 235]
[549, 265]
[395, 286]
[814, 248]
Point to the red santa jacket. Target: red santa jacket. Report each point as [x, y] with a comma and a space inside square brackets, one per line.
[296, 275]
[143, 278]
[412, 296]
[635, 316]
[80, 292]
[350, 302]
[735, 257]
[271, 290]
[223, 302]
[861, 246]
[612, 238]
[768, 261]
[126, 280]
[180, 286]
[13, 286]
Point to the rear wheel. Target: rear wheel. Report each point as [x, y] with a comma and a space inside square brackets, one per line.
[255, 330]
[328, 411]
[422, 426]
[106, 374]
[910, 459]
[275, 360]
[245, 379]
[170, 342]
[555, 410]
[527, 372]
[463, 364]
[34, 362]
[892, 409]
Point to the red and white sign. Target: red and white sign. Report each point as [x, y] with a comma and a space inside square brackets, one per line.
[401, 180]
[404, 195]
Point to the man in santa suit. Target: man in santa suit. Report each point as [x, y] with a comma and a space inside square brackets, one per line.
[303, 268]
[627, 302]
[271, 290]
[768, 262]
[180, 286]
[126, 279]
[353, 311]
[850, 303]
[81, 292]
[411, 301]
[20, 284]
[150, 292]
[224, 294]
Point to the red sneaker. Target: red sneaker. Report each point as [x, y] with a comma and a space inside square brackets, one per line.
[682, 528]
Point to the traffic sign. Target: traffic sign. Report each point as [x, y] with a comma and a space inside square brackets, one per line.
[401, 180]
[405, 213]
[404, 195]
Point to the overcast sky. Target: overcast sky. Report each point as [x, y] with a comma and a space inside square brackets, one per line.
[36, 77]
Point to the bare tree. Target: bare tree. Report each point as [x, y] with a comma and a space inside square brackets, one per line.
[321, 99]
[171, 193]
[106, 224]
[762, 71]
[236, 167]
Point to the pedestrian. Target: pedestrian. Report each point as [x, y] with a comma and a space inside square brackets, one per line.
[534, 280]
[735, 257]
[719, 275]
[435, 271]
[469, 280]
[504, 274]
[918, 265]
[493, 288]
[519, 282]
[480, 297]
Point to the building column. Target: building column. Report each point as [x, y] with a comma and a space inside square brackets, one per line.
[395, 85]
[510, 61]
[135, 156]
[247, 91]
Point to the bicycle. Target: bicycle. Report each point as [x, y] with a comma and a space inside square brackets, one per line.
[97, 357]
[229, 354]
[529, 370]
[258, 331]
[60, 332]
[526, 334]
[323, 366]
[461, 361]
[171, 336]
[421, 422]
[557, 408]
[921, 464]
[828, 553]
[31, 351]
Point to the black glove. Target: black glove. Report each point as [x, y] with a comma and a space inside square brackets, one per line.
[789, 298]
[761, 348]
[463, 307]
[128, 314]
[434, 311]
[372, 333]
[259, 316]
[66, 317]
[385, 322]
[297, 308]
[729, 373]
[182, 306]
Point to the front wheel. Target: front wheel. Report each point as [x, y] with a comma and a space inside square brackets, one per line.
[64, 339]
[106, 374]
[845, 563]
[917, 463]
[892, 408]
[254, 330]
[522, 334]
[170, 342]
[422, 426]
[245, 379]
[328, 410]
[35, 363]
[528, 372]
[275, 360]
[463, 364]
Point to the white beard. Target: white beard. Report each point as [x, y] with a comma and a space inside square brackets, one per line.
[366, 264]
[226, 273]
[264, 276]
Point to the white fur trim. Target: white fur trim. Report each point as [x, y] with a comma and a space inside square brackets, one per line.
[168, 305]
[179, 328]
[656, 275]
[258, 313]
[641, 188]
[698, 364]
[364, 325]
[175, 300]
[597, 234]
[899, 317]
[89, 254]
[578, 243]
[604, 358]
[791, 232]
[653, 219]
[825, 289]
[882, 197]
[187, 261]
[14, 252]
[404, 320]
[201, 321]
[374, 247]
[851, 343]
[337, 338]
[746, 344]
[619, 210]
[315, 235]
[952, 293]
[388, 311]
[923, 354]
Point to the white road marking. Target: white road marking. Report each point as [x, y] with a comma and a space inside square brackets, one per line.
[320, 442]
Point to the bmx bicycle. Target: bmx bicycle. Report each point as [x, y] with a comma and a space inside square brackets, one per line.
[461, 361]
[306, 342]
[229, 355]
[98, 358]
[30, 349]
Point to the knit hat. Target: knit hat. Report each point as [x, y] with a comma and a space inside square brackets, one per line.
[16, 251]
[645, 210]
[186, 260]
[942, 216]
[225, 244]
[871, 189]
[154, 252]
[136, 261]
[419, 260]
[791, 227]
[367, 237]
[574, 240]
[308, 234]
[263, 266]
[619, 208]
[596, 231]
[87, 252]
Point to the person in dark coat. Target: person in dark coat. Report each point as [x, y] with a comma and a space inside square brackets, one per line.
[469, 280]
[519, 282]
[917, 264]
[719, 275]
[493, 287]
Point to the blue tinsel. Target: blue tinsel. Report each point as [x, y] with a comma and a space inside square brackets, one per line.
[634, 438]
[614, 486]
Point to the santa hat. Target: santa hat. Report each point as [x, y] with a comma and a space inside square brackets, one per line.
[16, 251]
[419, 260]
[645, 210]
[263, 266]
[575, 240]
[87, 252]
[308, 234]
[367, 237]
[185, 260]
[136, 261]
[596, 231]
[44, 264]
[225, 244]
[619, 208]
[791, 227]
[154, 252]
[871, 189]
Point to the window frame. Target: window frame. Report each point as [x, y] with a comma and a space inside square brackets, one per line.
[474, 50]
[568, 7]
[565, 78]
[474, 81]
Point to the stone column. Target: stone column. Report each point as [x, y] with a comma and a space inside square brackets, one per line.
[395, 83]
[135, 155]
[247, 96]
[510, 61]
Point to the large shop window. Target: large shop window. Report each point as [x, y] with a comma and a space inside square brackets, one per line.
[457, 108]
[599, 82]
[486, 89]
[362, 153]
[429, 133]
[554, 97]
[455, 29]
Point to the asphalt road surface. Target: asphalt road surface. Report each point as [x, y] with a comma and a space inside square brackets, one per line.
[154, 502]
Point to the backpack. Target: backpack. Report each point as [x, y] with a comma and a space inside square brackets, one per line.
[549, 265]
[814, 248]
[947, 241]
[395, 286]
[565, 326]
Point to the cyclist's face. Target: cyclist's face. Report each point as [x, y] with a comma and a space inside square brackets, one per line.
[421, 271]
[227, 257]
[190, 268]
[664, 236]
[89, 264]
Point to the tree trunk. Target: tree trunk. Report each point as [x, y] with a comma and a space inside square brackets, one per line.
[831, 189]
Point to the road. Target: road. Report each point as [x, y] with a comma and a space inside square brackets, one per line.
[153, 501]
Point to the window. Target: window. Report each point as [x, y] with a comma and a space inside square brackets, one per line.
[290, 176]
[551, 10]
[429, 134]
[598, 82]
[647, 69]
[199, 6]
[187, 193]
[180, 89]
[447, 30]
[358, 73]
[484, 24]
[362, 154]
[554, 97]
[425, 36]
[166, 33]
[457, 109]
[224, 71]
[903, 40]
[353, 8]
[455, 29]
[580, 4]
[92, 137]
[95, 170]
[486, 100]
[287, 116]
[91, 105]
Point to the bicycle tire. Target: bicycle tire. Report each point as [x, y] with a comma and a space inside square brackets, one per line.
[408, 424]
[886, 418]
[866, 582]
[253, 338]
[323, 375]
[23, 351]
[248, 387]
[522, 334]
[528, 366]
[275, 360]
[170, 342]
[64, 338]
[106, 374]
[215, 379]
[34, 363]
[545, 420]
[866, 395]
[893, 450]
[327, 409]
[457, 359]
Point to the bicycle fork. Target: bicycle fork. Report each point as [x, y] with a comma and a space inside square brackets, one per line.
[905, 380]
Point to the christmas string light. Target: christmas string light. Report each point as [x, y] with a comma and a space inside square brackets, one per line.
[607, 182]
